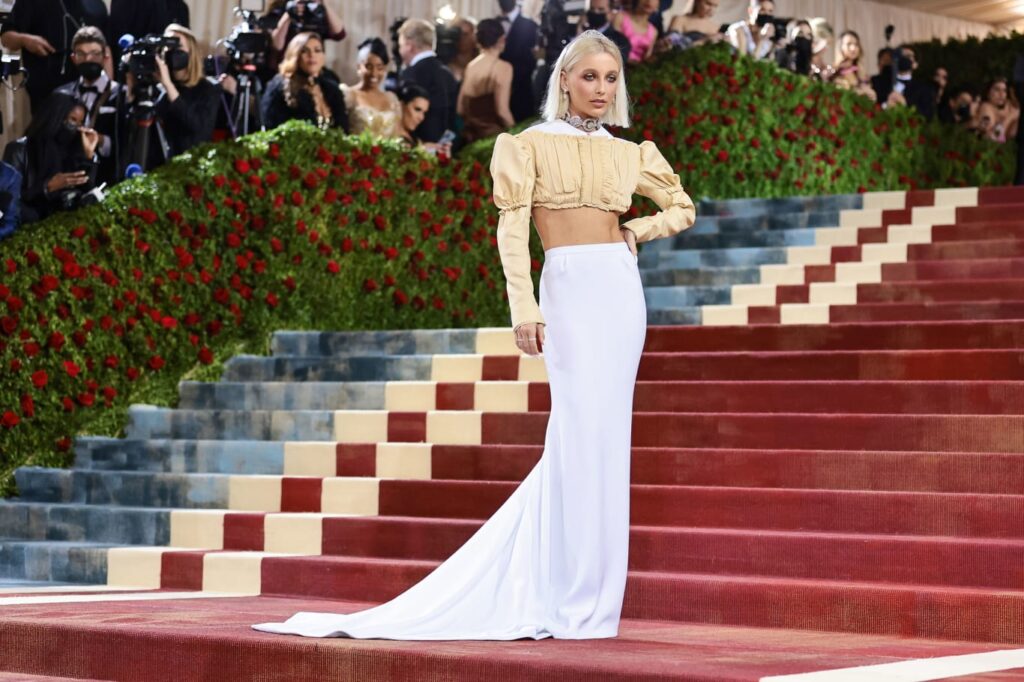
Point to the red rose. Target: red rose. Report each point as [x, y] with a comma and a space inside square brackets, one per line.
[271, 300]
[333, 267]
[205, 355]
[297, 199]
[86, 399]
[156, 362]
[10, 420]
[28, 406]
[369, 285]
[390, 253]
[40, 378]
[400, 297]
[68, 403]
[71, 368]
[723, 155]
[380, 222]
[242, 166]
[132, 373]
[274, 150]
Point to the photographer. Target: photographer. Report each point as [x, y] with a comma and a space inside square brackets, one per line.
[906, 90]
[288, 18]
[144, 17]
[43, 30]
[756, 35]
[794, 51]
[96, 91]
[56, 158]
[186, 102]
[303, 89]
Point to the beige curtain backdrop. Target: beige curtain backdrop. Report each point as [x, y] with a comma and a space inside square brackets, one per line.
[212, 19]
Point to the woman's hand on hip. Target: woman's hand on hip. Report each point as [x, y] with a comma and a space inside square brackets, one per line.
[629, 237]
[530, 338]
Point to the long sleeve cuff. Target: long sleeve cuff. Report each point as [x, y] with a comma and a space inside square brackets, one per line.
[514, 249]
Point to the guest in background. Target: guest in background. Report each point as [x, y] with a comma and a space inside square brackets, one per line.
[907, 90]
[940, 79]
[187, 105]
[999, 114]
[303, 89]
[466, 49]
[599, 18]
[415, 46]
[370, 107]
[636, 25]
[848, 74]
[96, 91]
[56, 158]
[748, 37]
[521, 35]
[484, 95]
[10, 199]
[144, 17]
[415, 106]
[959, 107]
[823, 35]
[883, 79]
[698, 26]
[43, 31]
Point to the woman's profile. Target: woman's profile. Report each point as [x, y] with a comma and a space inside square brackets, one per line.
[551, 562]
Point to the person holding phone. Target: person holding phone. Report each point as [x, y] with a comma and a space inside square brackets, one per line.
[415, 106]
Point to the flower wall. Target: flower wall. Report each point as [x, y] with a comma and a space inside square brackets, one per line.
[301, 229]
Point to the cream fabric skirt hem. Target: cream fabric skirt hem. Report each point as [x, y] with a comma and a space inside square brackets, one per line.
[551, 562]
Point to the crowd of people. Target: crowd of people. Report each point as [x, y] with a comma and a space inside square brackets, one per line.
[104, 110]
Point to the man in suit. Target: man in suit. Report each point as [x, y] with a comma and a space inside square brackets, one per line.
[145, 17]
[906, 90]
[422, 67]
[96, 91]
[520, 41]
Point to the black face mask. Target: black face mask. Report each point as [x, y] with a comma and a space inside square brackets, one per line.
[963, 112]
[66, 134]
[89, 71]
[596, 19]
[904, 64]
[176, 60]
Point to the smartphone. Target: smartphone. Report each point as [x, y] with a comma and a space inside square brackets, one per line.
[447, 138]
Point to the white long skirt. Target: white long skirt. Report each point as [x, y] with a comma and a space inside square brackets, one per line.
[551, 562]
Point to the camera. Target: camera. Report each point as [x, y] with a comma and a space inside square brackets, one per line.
[558, 23]
[141, 57]
[307, 15]
[779, 22]
[247, 45]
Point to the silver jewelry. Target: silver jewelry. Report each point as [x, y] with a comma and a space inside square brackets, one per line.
[587, 125]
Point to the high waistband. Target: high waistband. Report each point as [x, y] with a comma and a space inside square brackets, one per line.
[586, 248]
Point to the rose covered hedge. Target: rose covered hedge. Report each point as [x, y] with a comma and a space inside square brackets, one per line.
[298, 228]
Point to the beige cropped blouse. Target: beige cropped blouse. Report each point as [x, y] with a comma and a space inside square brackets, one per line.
[555, 165]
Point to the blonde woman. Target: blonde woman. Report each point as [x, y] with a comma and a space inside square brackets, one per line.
[848, 74]
[303, 89]
[187, 107]
[551, 562]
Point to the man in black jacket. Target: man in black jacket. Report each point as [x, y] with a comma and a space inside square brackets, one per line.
[96, 91]
[422, 67]
[520, 41]
[906, 90]
[144, 17]
[43, 30]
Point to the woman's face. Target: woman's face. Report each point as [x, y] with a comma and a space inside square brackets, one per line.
[997, 94]
[941, 77]
[647, 6]
[311, 57]
[705, 9]
[850, 48]
[413, 113]
[76, 117]
[372, 71]
[592, 83]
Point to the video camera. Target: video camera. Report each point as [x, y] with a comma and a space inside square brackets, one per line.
[140, 57]
[308, 15]
[559, 20]
[246, 45]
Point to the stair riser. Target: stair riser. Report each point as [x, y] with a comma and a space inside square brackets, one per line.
[85, 523]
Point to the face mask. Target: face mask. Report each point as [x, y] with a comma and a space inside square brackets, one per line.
[904, 64]
[596, 19]
[90, 71]
[963, 112]
[66, 134]
[177, 60]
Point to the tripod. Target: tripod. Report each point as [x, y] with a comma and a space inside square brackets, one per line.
[242, 112]
[143, 121]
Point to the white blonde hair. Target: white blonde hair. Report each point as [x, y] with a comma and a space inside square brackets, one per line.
[557, 101]
[419, 32]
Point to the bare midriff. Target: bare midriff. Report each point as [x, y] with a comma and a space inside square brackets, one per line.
[571, 226]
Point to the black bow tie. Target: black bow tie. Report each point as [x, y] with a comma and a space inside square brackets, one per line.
[89, 88]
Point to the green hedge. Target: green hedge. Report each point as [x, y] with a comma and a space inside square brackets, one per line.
[970, 61]
[301, 229]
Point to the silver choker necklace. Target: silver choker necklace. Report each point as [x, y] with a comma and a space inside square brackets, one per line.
[587, 125]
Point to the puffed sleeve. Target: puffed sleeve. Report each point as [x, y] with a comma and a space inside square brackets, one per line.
[513, 172]
[658, 182]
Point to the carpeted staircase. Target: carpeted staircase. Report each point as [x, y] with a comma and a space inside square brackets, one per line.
[828, 471]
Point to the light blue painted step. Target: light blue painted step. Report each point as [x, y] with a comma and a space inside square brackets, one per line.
[50, 563]
[282, 395]
[69, 522]
[686, 297]
[123, 488]
[180, 456]
[329, 368]
[701, 258]
[700, 276]
[373, 343]
[742, 207]
[156, 422]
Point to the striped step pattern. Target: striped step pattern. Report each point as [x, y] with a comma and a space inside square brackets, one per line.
[835, 443]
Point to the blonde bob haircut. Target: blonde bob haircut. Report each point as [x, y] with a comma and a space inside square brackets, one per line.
[195, 57]
[587, 43]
